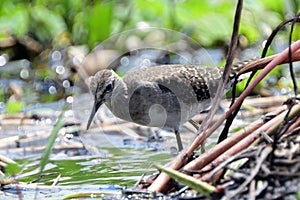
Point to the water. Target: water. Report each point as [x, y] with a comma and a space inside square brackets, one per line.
[112, 167]
[105, 159]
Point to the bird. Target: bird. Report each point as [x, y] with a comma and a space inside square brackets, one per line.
[159, 96]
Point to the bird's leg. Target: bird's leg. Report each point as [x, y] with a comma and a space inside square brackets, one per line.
[179, 143]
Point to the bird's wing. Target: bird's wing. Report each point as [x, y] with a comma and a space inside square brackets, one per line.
[190, 83]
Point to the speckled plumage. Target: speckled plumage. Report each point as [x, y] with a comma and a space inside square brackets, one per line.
[166, 95]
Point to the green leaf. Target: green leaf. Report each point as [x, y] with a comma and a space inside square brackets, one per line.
[208, 26]
[14, 19]
[2, 97]
[14, 106]
[196, 184]
[120, 74]
[12, 169]
[149, 10]
[50, 144]
[99, 22]
[46, 24]
[84, 195]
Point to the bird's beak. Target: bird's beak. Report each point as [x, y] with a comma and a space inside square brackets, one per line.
[96, 106]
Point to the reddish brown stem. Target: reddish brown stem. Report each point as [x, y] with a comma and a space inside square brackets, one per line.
[160, 182]
[235, 143]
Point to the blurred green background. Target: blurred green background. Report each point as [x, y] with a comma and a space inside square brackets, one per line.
[58, 23]
[36, 36]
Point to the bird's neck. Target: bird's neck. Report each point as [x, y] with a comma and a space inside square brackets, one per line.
[119, 102]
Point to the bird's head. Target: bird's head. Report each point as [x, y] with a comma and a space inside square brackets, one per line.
[101, 86]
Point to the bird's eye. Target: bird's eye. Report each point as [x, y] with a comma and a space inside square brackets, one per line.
[108, 87]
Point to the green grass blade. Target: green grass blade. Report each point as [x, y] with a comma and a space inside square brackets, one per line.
[52, 138]
[200, 186]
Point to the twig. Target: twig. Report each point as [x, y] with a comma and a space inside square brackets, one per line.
[240, 144]
[290, 56]
[294, 112]
[227, 69]
[264, 154]
[210, 175]
[162, 179]
[234, 144]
